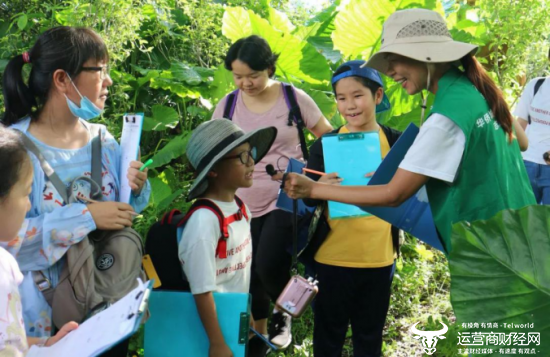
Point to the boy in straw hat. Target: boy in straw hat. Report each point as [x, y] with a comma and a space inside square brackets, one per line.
[223, 157]
[465, 154]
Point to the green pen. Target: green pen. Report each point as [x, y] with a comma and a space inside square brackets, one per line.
[147, 163]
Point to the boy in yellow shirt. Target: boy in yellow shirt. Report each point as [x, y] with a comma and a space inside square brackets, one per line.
[354, 265]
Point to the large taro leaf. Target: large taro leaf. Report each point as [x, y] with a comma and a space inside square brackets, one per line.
[280, 21]
[297, 59]
[500, 272]
[359, 24]
[322, 39]
[174, 149]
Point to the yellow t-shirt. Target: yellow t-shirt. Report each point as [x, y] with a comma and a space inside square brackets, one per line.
[364, 242]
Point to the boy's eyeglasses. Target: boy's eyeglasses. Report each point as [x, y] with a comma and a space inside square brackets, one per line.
[103, 69]
[243, 156]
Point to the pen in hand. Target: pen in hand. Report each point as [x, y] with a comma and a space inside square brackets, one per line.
[317, 172]
[147, 163]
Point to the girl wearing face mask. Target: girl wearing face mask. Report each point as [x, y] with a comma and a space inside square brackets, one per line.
[68, 85]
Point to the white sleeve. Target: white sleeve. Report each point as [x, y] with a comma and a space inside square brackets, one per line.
[437, 150]
[522, 107]
[197, 249]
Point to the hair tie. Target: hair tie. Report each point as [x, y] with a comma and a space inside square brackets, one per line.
[26, 57]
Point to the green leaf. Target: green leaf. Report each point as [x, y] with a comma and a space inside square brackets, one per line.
[22, 22]
[304, 32]
[323, 101]
[322, 40]
[159, 190]
[358, 26]
[236, 23]
[167, 202]
[500, 270]
[280, 21]
[297, 59]
[3, 64]
[173, 86]
[174, 149]
[163, 118]
[183, 72]
[223, 83]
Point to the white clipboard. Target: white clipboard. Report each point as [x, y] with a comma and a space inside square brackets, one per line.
[104, 330]
[132, 124]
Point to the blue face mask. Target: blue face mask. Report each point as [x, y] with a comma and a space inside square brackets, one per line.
[87, 110]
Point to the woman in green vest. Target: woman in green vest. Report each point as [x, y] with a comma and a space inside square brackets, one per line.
[466, 152]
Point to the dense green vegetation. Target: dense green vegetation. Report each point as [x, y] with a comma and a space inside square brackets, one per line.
[166, 60]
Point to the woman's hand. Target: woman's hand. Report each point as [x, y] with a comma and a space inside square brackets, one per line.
[298, 186]
[68, 327]
[135, 177]
[219, 350]
[331, 179]
[111, 216]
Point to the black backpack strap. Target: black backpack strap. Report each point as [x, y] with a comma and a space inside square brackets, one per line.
[295, 115]
[242, 207]
[391, 134]
[539, 83]
[230, 104]
[96, 133]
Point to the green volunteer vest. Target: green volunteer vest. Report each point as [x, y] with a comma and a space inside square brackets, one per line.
[491, 176]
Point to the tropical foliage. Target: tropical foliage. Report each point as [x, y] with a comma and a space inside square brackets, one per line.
[167, 62]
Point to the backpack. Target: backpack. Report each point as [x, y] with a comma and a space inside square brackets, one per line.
[100, 269]
[539, 83]
[163, 240]
[294, 113]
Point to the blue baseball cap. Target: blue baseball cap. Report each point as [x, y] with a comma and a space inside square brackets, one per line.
[355, 70]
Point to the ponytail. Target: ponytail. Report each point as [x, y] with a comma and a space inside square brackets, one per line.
[492, 94]
[60, 48]
[18, 98]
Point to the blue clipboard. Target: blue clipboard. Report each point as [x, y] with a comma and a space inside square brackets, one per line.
[413, 216]
[175, 328]
[283, 201]
[352, 156]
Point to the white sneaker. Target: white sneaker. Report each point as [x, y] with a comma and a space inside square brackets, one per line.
[279, 330]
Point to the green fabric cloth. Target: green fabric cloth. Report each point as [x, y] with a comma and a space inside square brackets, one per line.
[491, 176]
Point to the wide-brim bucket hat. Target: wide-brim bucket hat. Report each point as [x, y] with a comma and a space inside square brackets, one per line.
[356, 69]
[419, 34]
[214, 139]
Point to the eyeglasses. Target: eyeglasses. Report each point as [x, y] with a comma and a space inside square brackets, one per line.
[243, 156]
[105, 70]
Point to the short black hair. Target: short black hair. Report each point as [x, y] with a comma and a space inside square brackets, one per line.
[373, 86]
[13, 155]
[255, 52]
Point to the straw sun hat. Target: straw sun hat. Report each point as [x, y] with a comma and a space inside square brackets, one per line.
[418, 34]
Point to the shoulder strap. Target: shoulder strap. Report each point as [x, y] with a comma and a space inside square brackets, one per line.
[230, 104]
[221, 249]
[539, 83]
[48, 170]
[198, 204]
[95, 131]
[391, 134]
[242, 207]
[295, 115]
